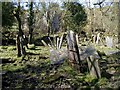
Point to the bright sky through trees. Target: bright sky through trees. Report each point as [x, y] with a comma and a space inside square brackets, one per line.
[83, 2]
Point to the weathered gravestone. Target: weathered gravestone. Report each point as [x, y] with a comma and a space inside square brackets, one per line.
[109, 41]
[75, 55]
[97, 38]
[92, 59]
[93, 66]
[57, 56]
[56, 22]
[115, 41]
[73, 51]
[75, 58]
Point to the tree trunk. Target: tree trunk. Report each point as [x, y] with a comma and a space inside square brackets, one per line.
[18, 46]
[20, 33]
[73, 51]
[31, 21]
[119, 23]
[20, 39]
[22, 46]
[48, 22]
[48, 28]
[30, 37]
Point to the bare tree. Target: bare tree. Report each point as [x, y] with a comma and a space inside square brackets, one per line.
[119, 22]
[31, 22]
[20, 38]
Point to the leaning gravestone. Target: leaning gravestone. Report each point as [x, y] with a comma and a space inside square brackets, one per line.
[57, 56]
[98, 38]
[73, 51]
[115, 40]
[109, 41]
[94, 67]
[92, 59]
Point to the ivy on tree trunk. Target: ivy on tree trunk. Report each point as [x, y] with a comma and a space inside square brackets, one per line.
[31, 21]
[20, 39]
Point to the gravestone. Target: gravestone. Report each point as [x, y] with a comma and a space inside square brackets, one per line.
[94, 68]
[97, 38]
[115, 41]
[57, 42]
[92, 59]
[55, 22]
[57, 56]
[73, 51]
[94, 38]
[109, 41]
[61, 40]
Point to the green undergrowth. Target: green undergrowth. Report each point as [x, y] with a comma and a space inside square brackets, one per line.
[108, 54]
[10, 53]
[36, 71]
[106, 49]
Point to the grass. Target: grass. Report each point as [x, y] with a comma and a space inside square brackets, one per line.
[35, 64]
[35, 71]
[9, 52]
[105, 49]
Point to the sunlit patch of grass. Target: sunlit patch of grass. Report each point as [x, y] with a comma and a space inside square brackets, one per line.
[40, 54]
[11, 48]
[90, 79]
[110, 53]
[37, 64]
[104, 49]
[39, 50]
[102, 82]
[3, 47]
[12, 67]
[67, 68]
[8, 54]
[31, 46]
[80, 78]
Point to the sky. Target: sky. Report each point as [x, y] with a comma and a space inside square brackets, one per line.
[64, 0]
[83, 2]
